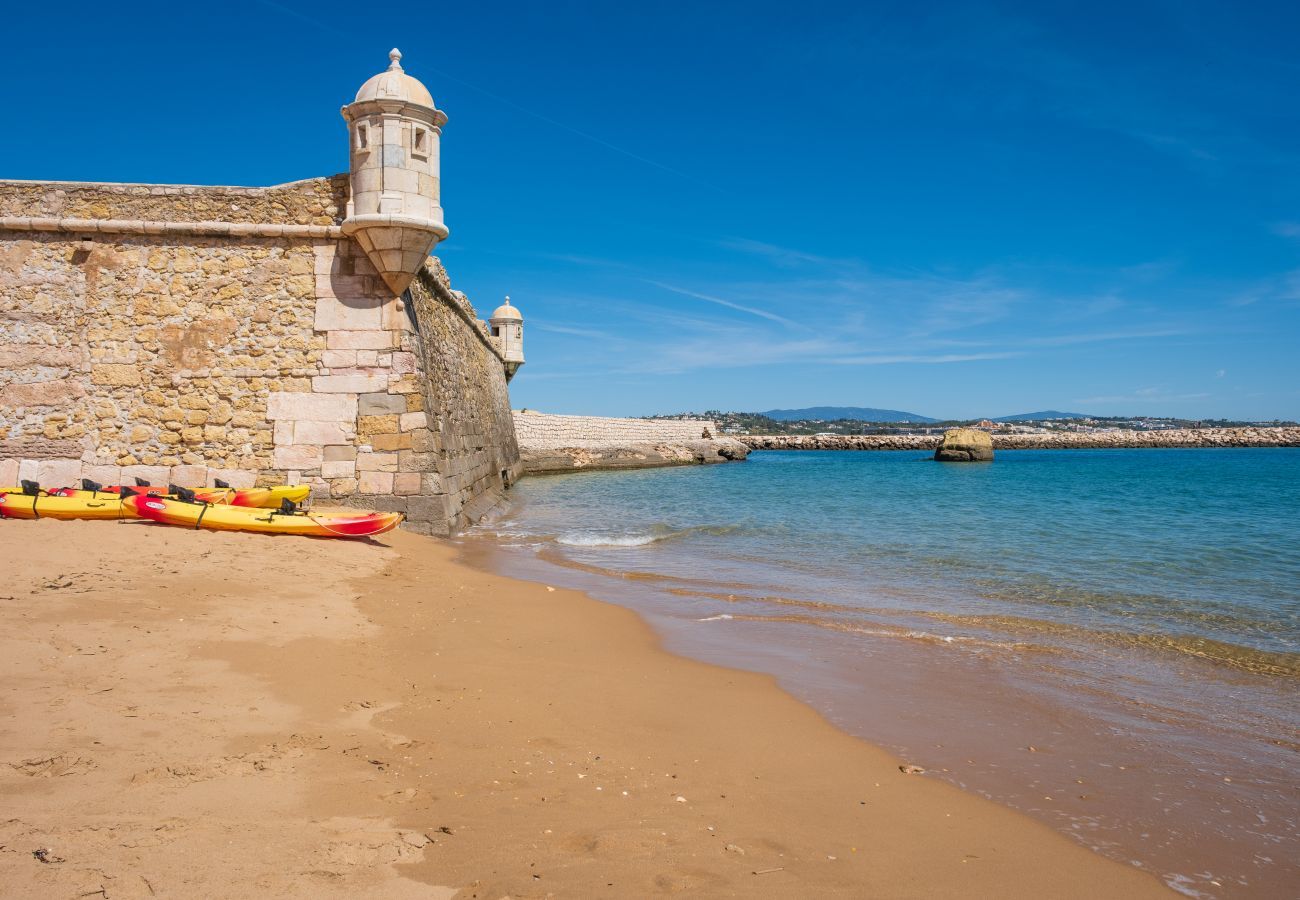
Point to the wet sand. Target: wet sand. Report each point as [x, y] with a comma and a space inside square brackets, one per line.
[192, 713]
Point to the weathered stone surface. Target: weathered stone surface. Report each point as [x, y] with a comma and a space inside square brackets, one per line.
[297, 457]
[381, 404]
[41, 393]
[348, 384]
[360, 340]
[38, 448]
[965, 445]
[321, 433]
[375, 482]
[51, 473]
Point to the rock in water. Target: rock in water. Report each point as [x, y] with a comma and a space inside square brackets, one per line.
[965, 445]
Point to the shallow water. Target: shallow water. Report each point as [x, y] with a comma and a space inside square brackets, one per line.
[1106, 639]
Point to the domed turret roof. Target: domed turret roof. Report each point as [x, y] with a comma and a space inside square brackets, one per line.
[506, 311]
[395, 84]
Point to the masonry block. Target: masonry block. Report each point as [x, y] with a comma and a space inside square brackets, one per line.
[236, 478]
[189, 476]
[334, 314]
[343, 468]
[413, 421]
[376, 462]
[59, 472]
[359, 340]
[381, 404]
[297, 457]
[368, 426]
[321, 433]
[340, 359]
[311, 407]
[407, 483]
[155, 475]
[375, 483]
[349, 384]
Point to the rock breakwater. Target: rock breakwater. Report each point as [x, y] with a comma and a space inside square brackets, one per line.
[1068, 440]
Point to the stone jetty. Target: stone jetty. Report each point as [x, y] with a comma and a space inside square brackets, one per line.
[1056, 440]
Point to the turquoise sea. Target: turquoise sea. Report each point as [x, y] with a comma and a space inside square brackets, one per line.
[1106, 639]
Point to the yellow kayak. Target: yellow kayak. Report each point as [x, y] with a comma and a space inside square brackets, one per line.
[263, 498]
[15, 504]
[222, 517]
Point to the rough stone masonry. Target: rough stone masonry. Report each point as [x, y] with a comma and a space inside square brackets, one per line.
[297, 333]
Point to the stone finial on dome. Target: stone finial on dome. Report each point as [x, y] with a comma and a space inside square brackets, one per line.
[506, 312]
[395, 60]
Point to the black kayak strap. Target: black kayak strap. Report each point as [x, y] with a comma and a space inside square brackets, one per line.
[202, 511]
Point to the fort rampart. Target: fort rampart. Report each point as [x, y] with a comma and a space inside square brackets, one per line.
[184, 334]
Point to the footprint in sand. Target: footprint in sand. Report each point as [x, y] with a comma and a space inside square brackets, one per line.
[54, 766]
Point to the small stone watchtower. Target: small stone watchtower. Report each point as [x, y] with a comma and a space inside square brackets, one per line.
[508, 327]
[394, 212]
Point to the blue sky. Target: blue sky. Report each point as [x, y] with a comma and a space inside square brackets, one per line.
[955, 209]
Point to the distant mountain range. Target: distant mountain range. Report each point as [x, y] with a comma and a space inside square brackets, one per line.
[831, 413]
[1045, 414]
[869, 414]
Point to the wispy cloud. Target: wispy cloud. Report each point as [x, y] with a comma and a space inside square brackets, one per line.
[1147, 395]
[1287, 229]
[783, 256]
[577, 332]
[921, 358]
[753, 311]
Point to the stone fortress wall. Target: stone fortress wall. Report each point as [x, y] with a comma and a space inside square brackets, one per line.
[544, 431]
[184, 334]
[551, 443]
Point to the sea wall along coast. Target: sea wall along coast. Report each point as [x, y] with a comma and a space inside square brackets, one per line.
[1067, 440]
[555, 443]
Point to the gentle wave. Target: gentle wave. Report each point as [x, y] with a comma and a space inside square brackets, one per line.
[1247, 659]
[653, 535]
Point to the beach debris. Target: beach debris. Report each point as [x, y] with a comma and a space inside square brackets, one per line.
[47, 856]
[680, 799]
[769, 871]
[443, 829]
[550, 589]
[734, 848]
[910, 769]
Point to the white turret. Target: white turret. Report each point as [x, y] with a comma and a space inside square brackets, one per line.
[394, 212]
[508, 328]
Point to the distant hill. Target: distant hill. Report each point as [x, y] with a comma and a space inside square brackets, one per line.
[1045, 414]
[831, 413]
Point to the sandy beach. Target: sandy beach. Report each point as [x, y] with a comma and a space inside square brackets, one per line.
[206, 714]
